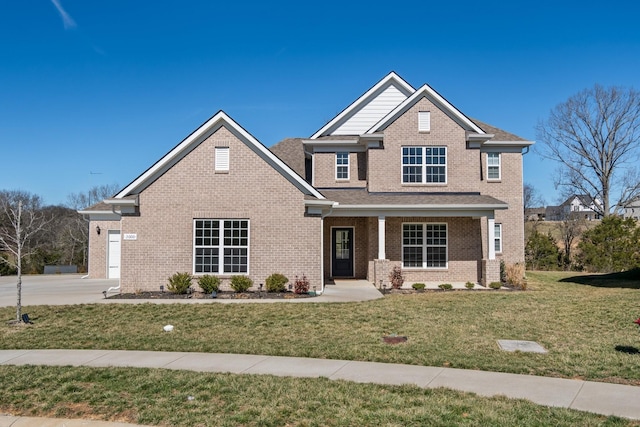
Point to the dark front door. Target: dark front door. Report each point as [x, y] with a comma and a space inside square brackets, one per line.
[342, 252]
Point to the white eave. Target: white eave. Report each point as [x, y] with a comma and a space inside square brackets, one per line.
[209, 127]
[453, 210]
[391, 78]
[429, 93]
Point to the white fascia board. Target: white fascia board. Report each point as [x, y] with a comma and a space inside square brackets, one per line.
[508, 143]
[417, 210]
[434, 97]
[392, 76]
[100, 215]
[122, 202]
[218, 120]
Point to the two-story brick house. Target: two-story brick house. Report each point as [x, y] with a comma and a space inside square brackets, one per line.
[400, 177]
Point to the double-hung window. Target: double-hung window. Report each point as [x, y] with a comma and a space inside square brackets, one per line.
[497, 237]
[221, 246]
[424, 245]
[493, 166]
[342, 165]
[424, 165]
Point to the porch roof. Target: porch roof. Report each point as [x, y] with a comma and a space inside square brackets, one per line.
[360, 202]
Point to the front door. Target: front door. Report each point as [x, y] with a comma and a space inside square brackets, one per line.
[342, 252]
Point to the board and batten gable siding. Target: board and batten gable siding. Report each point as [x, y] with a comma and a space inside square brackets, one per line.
[385, 165]
[282, 239]
[372, 112]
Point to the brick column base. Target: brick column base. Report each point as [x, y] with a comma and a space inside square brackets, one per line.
[490, 271]
[381, 272]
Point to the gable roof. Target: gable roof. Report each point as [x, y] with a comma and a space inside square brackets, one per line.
[426, 92]
[217, 121]
[388, 93]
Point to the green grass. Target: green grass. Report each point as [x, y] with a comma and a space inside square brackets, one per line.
[160, 397]
[588, 330]
[585, 321]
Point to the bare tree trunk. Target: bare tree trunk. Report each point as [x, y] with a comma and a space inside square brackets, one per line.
[19, 286]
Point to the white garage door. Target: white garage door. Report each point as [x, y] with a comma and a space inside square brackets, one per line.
[114, 254]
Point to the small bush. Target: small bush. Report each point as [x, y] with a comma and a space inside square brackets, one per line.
[515, 276]
[179, 283]
[495, 285]
[396, 278]
[241, 283]
[276, 282]
[445, 286]
[301, 285]
[469, 285]
[418, 286]
[209, 283]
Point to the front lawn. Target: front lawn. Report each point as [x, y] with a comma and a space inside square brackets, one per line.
[587, 329]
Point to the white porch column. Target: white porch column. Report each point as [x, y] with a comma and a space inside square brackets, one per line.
[381, 237]
[491, 222]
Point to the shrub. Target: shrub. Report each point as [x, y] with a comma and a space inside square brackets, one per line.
[418, 286]
[179, 283]
[445, 286]
[209, 283]
[515, 276]
[301, 285]
[276, 282]
[396, 278]
[469, 285]
[541, 252]
[241, 283]
[495, 285]
[611, 246]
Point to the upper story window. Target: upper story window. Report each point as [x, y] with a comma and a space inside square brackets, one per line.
[493, 166]
[342, 165]
[424, 165]
[424, 121]
[222, 159]
[221, 246]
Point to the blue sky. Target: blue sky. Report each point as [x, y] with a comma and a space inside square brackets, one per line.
[94, 92]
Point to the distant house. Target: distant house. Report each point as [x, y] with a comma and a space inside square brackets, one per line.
[632, 210]
[399, 178]
[535, 214]
[576, 206]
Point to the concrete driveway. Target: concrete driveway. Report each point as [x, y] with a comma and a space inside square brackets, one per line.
[54, 289]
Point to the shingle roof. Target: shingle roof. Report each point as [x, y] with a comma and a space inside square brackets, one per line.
[291, 151]
[362, 197]
[500, 135]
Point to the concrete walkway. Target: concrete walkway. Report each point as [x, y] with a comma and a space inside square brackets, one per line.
[600, 398]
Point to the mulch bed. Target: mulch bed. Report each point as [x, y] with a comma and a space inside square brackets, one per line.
[202, 295]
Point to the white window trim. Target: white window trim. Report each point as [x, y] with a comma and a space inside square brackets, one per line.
[221, 248]
[348, 166]
[424, 166]
[424, 246]
[499, 166]
[498, 239]
[424, 121]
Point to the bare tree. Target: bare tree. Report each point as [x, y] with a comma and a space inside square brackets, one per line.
[530, 197]
[21, 218]
[570, 227]
[78, 230]
[595, 137]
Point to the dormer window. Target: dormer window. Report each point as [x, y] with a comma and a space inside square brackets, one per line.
[342, 165]
[424, 121]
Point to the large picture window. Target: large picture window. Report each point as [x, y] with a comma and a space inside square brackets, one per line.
[424, 165]
[424, 245]
[221, 246]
